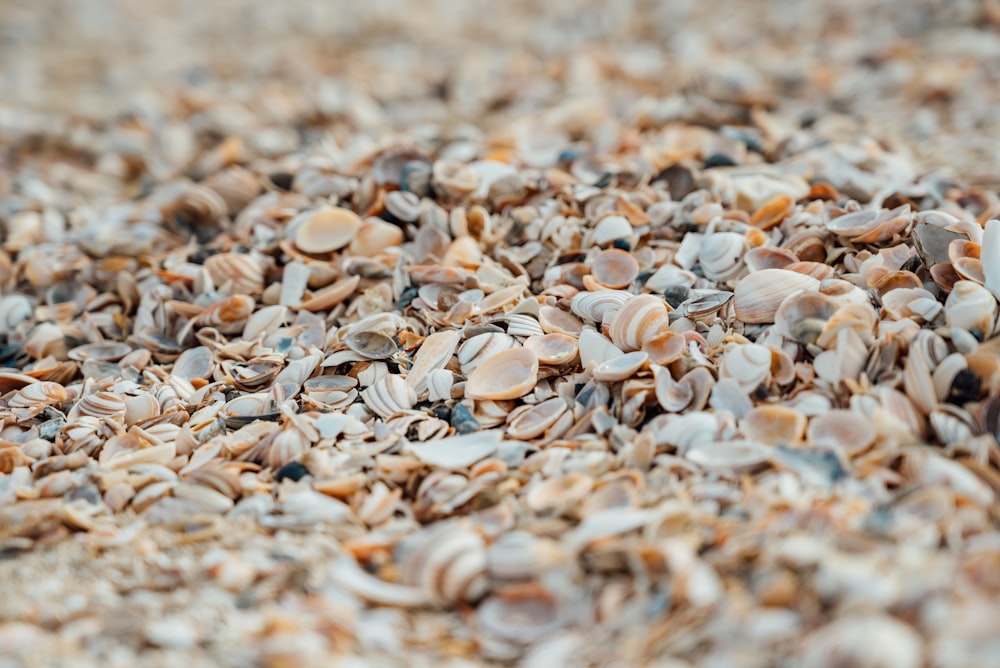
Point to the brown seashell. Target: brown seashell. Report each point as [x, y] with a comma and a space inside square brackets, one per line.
[506, 375]
[665, 347]
[228, 316]
[769, 257]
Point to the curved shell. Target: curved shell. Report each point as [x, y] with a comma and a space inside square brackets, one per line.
[721, 255]
[971, 307]
[372, 345]
[774, 425]
[595, 307]
[803, 317]
[528, 422]
[327, 229]
[479, 348]
[506, 375]
[103, 352]
[640, 318]
[758, 295]
[389, 396]
[447, 561]
[555, 349]
[614, 268]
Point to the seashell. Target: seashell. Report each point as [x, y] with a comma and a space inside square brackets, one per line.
[596, 349]
[614, 268]
[434, 353]
[620, 368]
[236, 273]
[454, 180]
[371, 345]
[374, 236]
[447, 561]
[557, 321]
[748, 364]
[733, 455]
[227, 316]
[194, 363]
[666, 347]
[326, 229]
[254, 375]
[519, 324]
[103, 352]
[100, 405]
[640, 318]
[500, 299]
[608, 230]
[771, 213]
[140, 408]
[457, 452]
[528, 422]
[952, 426]
[970, 268]
[595, 307]
[689, 393]
[721, 255]
[505, 375]
[555, 348]
[758, 295]
[558, 495]
[990, 257]
[753, 191]
[704, 303]
[768, 257]
[439, 384]
[905, 303]
[817, 270]
[464, 251]
[803, 317]
[842, 430]
[774, 425]
[477, 349]
[331, 295]
[389, 396]
[973, 308]
[521, 614]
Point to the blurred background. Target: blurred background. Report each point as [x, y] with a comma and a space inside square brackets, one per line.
[922, 76]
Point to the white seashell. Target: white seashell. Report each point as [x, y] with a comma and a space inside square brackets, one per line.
[439, 384]
[326, 229]
[596, 349]
[596, 307]
[479, 348]
[608, 229]
[457, 452]
[434, 353]
[620, 368]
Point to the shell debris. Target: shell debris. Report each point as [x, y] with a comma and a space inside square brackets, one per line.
[393, 335]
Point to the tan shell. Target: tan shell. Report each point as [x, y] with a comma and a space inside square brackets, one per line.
[528, 422]
[843, 430]
[374, 236]
[758, 295]
[748, 364]
[389, 396]
[640, 318]
[971, 307]
[327, 229]
[555, 348]
[774, 425]
[506, 375]
[665, 347]
[614, 268]
[236, 273]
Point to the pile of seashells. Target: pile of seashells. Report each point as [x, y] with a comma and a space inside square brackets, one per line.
[710, 385]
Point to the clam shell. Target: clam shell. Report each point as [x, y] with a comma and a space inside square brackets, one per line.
[748, 364]
[236, 273]
[375, 236]
[595, 307]
[639, 319]
[555, 348]
[620, 368]
[971, 307]
[327, 229]
[843, 430]
[774, 425]
[506, 375]
[103, 352]
[372, 345]
[389, 396]
[479, 348]
[721, 255]
[528, 422]
[447, 561]
[457, 452]
[614, 268]
[758, 295]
